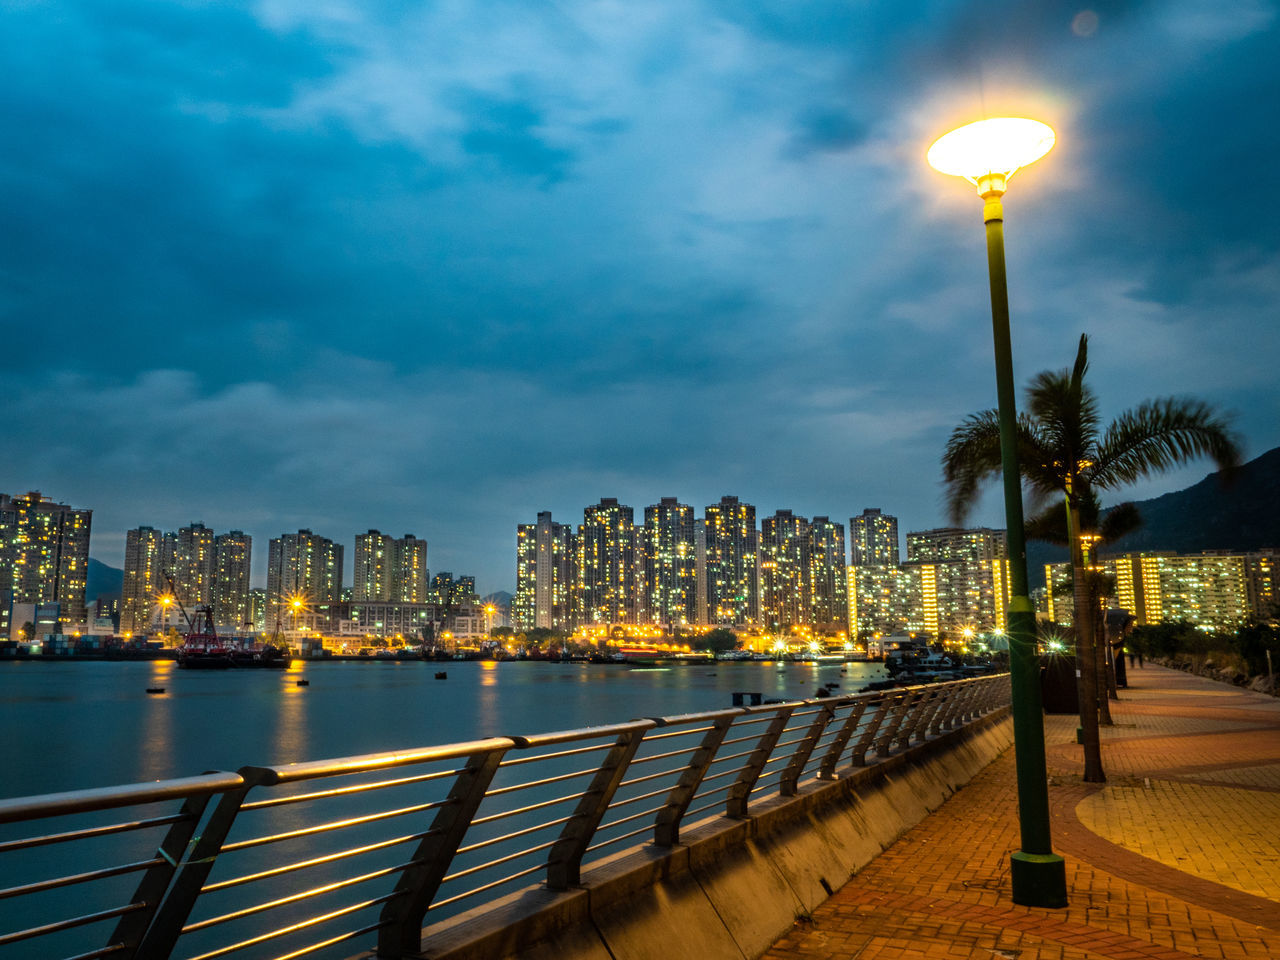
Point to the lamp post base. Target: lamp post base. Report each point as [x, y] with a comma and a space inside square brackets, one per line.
[1039, 879]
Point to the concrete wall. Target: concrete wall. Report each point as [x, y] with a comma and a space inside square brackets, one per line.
[731, 888]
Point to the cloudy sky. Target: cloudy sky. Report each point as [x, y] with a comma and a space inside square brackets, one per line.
[432, 267]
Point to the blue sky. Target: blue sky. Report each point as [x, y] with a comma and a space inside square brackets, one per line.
[434, 267]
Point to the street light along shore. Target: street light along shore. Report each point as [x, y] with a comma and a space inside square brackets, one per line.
[987, 153]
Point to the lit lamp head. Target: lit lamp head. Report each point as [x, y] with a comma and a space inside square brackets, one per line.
[988, 152]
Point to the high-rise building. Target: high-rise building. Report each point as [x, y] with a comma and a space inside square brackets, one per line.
[193, 566]
[371, 577]
[609, 577]
[953, 545]
[148, 556]
[44, 556]
[670, 563]
[825, 577]
[732, 562]
[1210, 590]
[441, 587]
[233, 559]
[305, 567]
[784, 568]
[544, 574]
[409, 569]
[873, 539]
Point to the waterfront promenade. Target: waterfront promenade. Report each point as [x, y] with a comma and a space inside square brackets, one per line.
[1177, 856]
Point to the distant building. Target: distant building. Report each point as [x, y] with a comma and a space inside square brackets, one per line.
[825, 578]
[670, 563]
[544, 575]
[409, 569]
[873, 539]
[148, 555]
[785, 599]
[190, 567]
[371, 576]
[194, 566]
[732, 562]
[955, 544]
[304, 567]
[44, 556]
[233, 559]
[609, 577]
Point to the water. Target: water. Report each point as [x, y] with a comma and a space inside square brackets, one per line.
[76, 725]
[90, 724]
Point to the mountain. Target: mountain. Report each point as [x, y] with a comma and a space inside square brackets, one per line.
[102, 581]
[1211, 515]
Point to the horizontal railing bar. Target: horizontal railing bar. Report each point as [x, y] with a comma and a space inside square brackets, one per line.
[314, 862]
[295, 927]
[735, 756]
[665, 756]
[647, 812]
[516, 811]
[664, 792]
[751, 738]
[700, 717]
[721, 775]
[719, 804]
[295, 897]
[103, 798]
[101, 952]
[519, 761]
[670, 771]
[344, 766]
[617, 839]
[683, 732]
[483, 844]
[488, 864]
[31, 932]
[438, 904]
[333, 825]
[613, 730]
[561, 778]
[343, 791]
[72, 879]
[89, 832]
[351, 935]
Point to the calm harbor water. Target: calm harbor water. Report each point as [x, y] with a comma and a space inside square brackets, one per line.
[89, 724]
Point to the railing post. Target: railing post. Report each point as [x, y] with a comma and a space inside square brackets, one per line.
[950, 710]
[151, 888]
[900, 709]
[827, 768]
[564, 863]
[666, 827]
[789, 784]
[740, 791]
[927, 706]
[159, 940]
[403, 915]
[868, 735]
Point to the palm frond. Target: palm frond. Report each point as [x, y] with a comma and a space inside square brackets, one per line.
[972, 456]
[1122, 519]
[1066, 415]
[1158, 435]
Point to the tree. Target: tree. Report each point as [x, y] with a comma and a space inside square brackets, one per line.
[1064, 451]
[719, 640]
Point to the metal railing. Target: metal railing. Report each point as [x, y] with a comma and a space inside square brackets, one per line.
[291, 861]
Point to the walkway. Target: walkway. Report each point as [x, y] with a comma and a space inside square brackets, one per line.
[1177, 856]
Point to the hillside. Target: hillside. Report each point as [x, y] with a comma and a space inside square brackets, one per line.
[1210, 515]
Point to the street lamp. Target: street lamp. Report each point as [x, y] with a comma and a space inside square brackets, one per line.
[987, 154]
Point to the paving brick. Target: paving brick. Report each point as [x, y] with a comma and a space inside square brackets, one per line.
[1173, 859]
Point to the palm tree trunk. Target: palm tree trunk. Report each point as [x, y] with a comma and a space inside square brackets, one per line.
[1085, 656]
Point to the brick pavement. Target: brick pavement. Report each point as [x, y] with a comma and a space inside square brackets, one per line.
[1175, 857]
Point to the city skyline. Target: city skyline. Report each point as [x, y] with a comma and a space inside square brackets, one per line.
[344, 266]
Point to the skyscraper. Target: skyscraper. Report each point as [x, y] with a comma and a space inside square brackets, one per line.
[148, 555]
[233, 558]
[608, 576]
[873, 538]
[193, 565]
[371, 576]
[409, 569]
[732, 562]
[44, 556]
[784, 567]
[304, 566]
[953, 544]
[670, 563]
[825, 575]
[544, 574]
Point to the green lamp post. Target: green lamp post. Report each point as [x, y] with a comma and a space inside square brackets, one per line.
[987, 154]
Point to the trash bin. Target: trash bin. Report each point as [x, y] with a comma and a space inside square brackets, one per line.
[1058, 684]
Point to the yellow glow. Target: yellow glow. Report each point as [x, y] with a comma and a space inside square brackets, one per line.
[1000, 145]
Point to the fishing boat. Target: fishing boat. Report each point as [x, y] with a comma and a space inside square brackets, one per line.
[203, 649]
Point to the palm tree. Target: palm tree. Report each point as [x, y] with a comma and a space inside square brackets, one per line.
[1063, 451]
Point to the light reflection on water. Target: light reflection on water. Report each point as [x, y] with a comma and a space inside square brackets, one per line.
[90, 724]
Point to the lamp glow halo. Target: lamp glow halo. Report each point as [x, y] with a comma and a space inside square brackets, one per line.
[999, 146]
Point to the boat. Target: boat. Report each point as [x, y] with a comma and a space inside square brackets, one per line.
[203, 649]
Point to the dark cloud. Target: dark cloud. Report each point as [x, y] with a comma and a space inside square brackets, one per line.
[344, 266]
